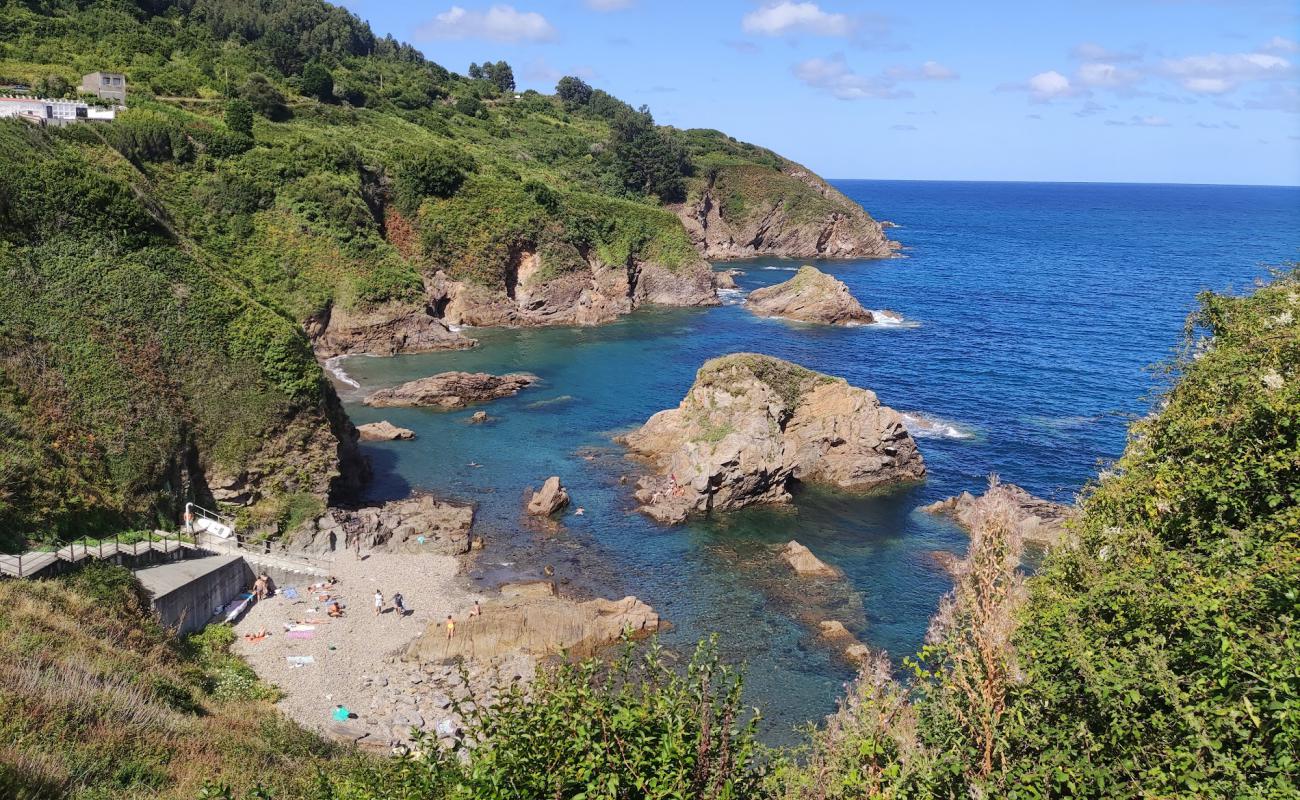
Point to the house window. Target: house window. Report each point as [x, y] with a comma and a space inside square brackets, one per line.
[107, 81]
[117, 81]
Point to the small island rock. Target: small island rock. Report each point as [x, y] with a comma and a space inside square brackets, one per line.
[805, 564]
[752, 424]
[550, 498]
[726, 279]
[451, 390]
[478, 418]
[810, 296]
[383, 431]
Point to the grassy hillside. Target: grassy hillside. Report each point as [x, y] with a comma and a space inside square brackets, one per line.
[100, 703]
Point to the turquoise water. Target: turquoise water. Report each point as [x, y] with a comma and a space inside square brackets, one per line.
[1032, 312]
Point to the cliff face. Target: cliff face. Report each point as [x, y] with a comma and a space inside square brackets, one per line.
[752, 210]
[594, 293]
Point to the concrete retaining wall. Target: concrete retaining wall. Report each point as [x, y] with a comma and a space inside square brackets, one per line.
[185, 593]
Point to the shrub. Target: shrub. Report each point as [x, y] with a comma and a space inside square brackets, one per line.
[317, 82]
[436, 172]
[265, 99]
[239, 116]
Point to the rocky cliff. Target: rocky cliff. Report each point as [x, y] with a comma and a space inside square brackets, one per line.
[1037, 520]
[752, 426]
[744, 211]
[537, 293]
[810, 296]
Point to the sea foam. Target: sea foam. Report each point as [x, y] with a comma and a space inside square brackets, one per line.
[926, 426]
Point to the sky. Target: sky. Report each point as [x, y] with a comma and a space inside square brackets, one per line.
[1149, 91]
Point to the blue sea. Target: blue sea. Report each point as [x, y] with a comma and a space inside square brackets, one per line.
[1031, 317]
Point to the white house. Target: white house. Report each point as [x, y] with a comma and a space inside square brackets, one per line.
[53, 112]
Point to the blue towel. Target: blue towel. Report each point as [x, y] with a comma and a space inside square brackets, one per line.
[289, 592]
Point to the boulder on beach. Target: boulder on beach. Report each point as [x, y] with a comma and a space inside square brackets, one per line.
[418, 524]
[383, 431]
[805, 564]
[752, 425]
[810, 296]
[1037, 520]
[452, 390]
[549, 499]
[531, 619]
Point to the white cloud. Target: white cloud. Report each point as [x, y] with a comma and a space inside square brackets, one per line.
[1218, 74]
[500, 23]
[929, 71]
[834, 75]
[1281, 44]
[1091, 51]
[785, 18]
[1140, 121]
[1106, 76]
[1047, 86]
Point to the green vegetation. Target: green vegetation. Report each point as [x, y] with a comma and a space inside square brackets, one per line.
[99, 702]
[790, 381]
[278, 161]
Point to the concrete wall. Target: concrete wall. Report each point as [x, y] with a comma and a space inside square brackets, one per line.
[186, 592]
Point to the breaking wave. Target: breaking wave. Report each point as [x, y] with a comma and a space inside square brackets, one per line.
[925, 426]
[731, 297]
[335, 368]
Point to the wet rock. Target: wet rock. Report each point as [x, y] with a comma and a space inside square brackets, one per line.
[451, 390]
[726, 279]
[810, 296]
[549, 499]
[383, 431]
[805, 564]
[752, 424]
[478, 418]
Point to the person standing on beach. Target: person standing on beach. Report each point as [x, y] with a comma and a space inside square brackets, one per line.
[399, 605]
[356, 544]
[451, 627]
[379, 602]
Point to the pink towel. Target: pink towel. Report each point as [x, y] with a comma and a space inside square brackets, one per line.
[300, 634]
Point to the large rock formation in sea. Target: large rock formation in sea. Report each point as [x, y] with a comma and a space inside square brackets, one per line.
[752, 425]
[530, 619]
[383, 431]
[420, 524]
[451, 390]
[810, 296]
[1037, 520]
[550, 498]
[750, 210]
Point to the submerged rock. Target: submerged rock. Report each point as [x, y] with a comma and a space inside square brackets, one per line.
[549, 499]
[1037, 520]
[478, 418]
[415, 525]
[451, 390]
[805, 564]
[751, 425]
[530, 619]
[383, 431]
[810, 296]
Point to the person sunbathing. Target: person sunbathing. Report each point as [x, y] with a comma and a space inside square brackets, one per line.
[334, 609]
[259, 636]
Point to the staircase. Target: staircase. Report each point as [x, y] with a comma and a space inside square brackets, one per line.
[35, 563]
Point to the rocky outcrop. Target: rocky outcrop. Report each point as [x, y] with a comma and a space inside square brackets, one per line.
[805, 564]
[383, 431]
[531, 619]
[747, 211]
[550, 498]
[810, 296]
[853, 650]
[753, 425]
[726, 279]
[451, 390]
[415, 525]
[593, 293]
[1036, 519]
[382, 330]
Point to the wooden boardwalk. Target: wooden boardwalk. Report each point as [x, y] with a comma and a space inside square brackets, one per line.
[37, 562]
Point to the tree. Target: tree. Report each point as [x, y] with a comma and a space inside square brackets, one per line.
[475, 71]
[435, 172]
[239, 116]
[53, 86]
[262, 95]
[470, 106]
[317, 82]
[573, 91]
[647, 159]
[499, 75]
